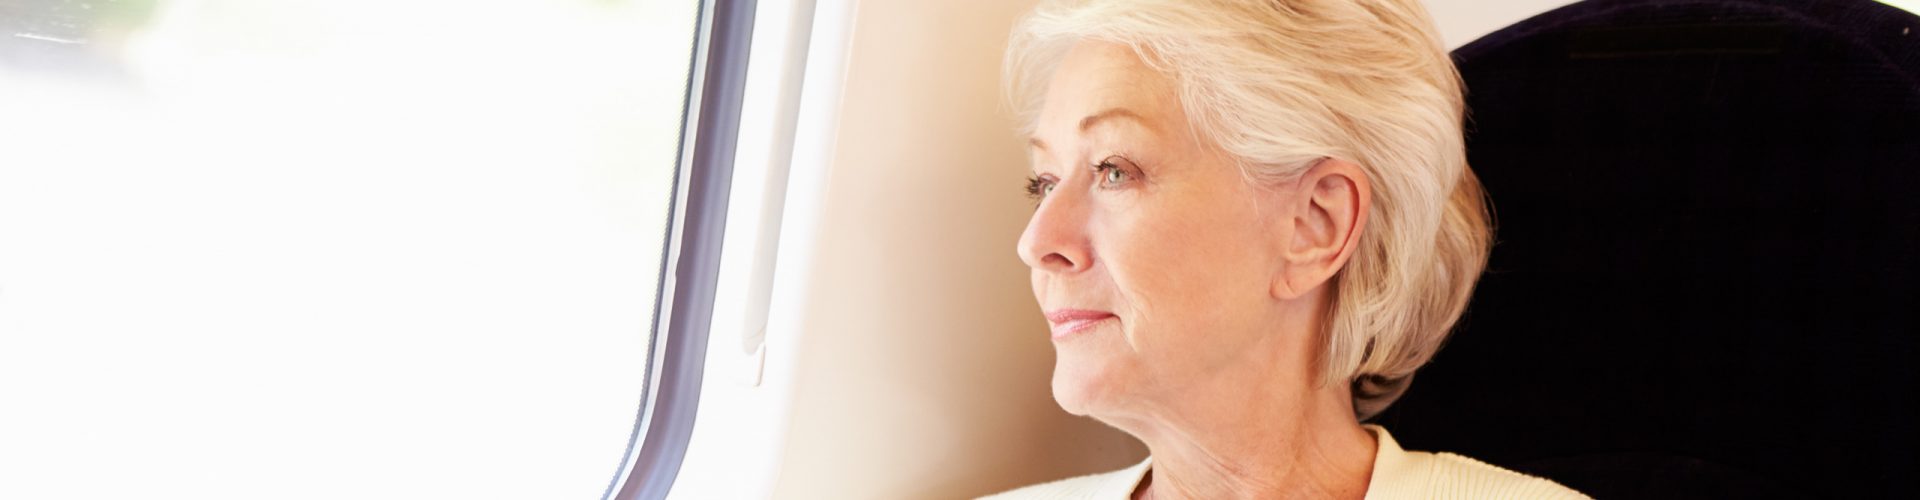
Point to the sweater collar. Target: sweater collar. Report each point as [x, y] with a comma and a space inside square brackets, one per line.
[1389, 461]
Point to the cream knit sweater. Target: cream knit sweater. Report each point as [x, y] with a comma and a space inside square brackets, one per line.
[1396, 474]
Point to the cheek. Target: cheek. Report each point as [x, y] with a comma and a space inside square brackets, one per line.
[1187, 267]
[1152, 261]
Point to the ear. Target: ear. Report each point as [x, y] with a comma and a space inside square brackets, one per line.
[1327, 212]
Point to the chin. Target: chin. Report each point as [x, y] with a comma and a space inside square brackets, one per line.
[1084, 384]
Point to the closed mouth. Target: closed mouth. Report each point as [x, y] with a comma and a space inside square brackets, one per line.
[1067, 322]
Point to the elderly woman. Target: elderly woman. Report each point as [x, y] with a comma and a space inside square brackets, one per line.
[1254, 222]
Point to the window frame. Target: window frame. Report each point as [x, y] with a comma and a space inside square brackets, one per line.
[690, 265]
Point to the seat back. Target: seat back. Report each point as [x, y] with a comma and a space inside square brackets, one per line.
[1706, 280]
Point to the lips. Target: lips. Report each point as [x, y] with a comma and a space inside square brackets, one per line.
[1066, 322]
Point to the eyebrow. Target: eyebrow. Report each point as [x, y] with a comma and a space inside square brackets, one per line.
[1095, 119]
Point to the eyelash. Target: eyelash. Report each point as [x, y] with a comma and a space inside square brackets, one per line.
[1038, 186]
[1106, 166]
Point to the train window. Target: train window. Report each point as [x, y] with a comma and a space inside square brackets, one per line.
[341, 249]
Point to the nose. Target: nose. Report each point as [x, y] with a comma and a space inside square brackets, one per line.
[1055, 240]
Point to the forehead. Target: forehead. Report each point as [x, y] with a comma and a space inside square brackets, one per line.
[1096, 76]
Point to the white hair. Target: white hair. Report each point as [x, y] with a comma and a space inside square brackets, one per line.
[1279, 84]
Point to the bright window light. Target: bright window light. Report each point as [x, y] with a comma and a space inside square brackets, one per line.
[330, 249]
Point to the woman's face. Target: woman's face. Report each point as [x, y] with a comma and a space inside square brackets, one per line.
[1152, 256]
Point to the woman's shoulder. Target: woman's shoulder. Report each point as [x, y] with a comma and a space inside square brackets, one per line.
[1477, 479]
[1399, 473]
[1115, 485]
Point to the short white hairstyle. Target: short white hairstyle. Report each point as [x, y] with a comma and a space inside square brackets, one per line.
[1280, 84]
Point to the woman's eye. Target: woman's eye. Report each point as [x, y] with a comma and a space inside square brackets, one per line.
[1111, 174]
[1038, 188]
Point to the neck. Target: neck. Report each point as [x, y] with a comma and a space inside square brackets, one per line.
[1299, 445]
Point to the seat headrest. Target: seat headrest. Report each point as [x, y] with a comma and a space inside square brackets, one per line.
[1706, 275]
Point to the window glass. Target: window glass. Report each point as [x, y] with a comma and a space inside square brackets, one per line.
[331, 249]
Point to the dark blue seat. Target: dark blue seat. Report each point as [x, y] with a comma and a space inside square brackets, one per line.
[1706, 281]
